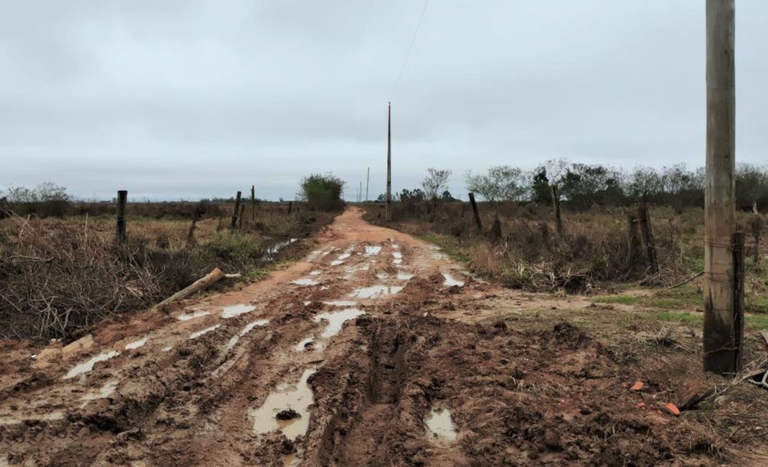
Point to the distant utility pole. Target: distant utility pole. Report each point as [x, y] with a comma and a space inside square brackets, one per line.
[389, 161]
[723, 295]
[360, 193]
[367, 182]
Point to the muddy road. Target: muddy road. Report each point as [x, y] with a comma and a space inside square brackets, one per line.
[375, 350]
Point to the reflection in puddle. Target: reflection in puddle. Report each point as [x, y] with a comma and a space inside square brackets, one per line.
[401, 276]
[195, 314]
[336, 320]
[305, 282]
[440, 424]
[375, 291]
[236, 310]
[297, 399]
[87, 366]
[233, 341]
[137, 344]
[341, 303]
[18, 419]
[273, 250]
[197, 334]
[102, 393]
[372, 250]
[450, 281]
[307, 344]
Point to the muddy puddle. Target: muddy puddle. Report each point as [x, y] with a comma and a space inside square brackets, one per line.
[450, 281]
[375, 291]
[18, 419]
[401, 276]
[341, 303]
[193, 315]
[137, 344]
[248, 328]
[398, 257]
[197, 334]
[308, 344]
[372, 250]
[275, 248]
[336, 320]
[87, 366]
[305, 282]
[105, 391]
[236, 310]
[286, 410]
[440, 425]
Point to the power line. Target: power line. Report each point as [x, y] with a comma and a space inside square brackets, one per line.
[408, 54]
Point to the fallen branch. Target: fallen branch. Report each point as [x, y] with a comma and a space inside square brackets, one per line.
[685, 281]
[200, 284]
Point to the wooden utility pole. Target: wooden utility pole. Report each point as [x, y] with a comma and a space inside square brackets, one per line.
[253, 203]
[122, 199]
[367, 182]
[360, 193]
[237, 210]
[477, 214]
[722, 330]
[389, 161]
[556, 207]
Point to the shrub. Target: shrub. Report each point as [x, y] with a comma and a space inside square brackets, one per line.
[322, 192]
[45, 200]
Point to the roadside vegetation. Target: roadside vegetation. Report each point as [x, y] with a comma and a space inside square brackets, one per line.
[61, 267]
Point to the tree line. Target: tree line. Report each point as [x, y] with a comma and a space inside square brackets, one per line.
[586, 185]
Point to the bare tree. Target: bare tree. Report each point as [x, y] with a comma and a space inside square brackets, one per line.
[435, 183]
[502, 183]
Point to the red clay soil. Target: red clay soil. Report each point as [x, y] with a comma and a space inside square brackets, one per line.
[514, 397]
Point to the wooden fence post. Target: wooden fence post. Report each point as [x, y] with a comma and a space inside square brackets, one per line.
[253, 203]
[556, 205]
[739, 280]
[236, 211]
[122, 199]
[647, 230]
[633, 240]
[477, 215]
[242, 214]
[721, 347]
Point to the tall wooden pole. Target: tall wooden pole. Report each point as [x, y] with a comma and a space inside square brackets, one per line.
[253, 203]
[389, 161]
[367, 182]
[721, 339]
[122, 199]
[237, 210]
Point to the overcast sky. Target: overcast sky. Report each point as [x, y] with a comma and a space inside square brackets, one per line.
[199, 98]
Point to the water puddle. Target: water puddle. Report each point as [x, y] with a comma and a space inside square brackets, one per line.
[236, 310]
[450, 281]
[375, 291]
[137, 344]
[18, 419]
[401, 276]
[336, 320]
[193, 315]
[398, 257]
[105, 391]
[274, 249]
[438, 256]
[234, 340]
[440, 424]
[197, 334]
[372, 250]
[382, 276]
[316, 272]
[168, 349]
[303, 345]
[291, 404]
[305, 282]
[87, 366]
[341, 303]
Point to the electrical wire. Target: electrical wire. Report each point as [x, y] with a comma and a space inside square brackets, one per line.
[408, 54]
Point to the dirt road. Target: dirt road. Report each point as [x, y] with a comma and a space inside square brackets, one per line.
[373, 350]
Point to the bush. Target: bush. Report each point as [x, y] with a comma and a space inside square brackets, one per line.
[45, 200]
[322, 192]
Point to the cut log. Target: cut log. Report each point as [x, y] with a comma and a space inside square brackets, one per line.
[200, 284]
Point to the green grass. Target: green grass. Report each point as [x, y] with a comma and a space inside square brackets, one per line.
[697, 320]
